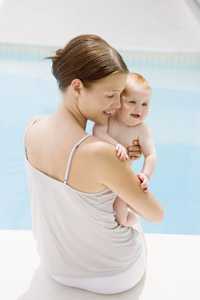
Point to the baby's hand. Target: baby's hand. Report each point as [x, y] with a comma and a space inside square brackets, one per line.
[144, 181]
[121, 152]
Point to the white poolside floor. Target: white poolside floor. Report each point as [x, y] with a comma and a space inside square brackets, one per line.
[173, 271]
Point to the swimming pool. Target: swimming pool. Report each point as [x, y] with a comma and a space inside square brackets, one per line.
[28, 88]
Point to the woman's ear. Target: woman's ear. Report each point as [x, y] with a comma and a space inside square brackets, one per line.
[76, 85]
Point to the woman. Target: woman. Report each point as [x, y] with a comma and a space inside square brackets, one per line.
[74, 177]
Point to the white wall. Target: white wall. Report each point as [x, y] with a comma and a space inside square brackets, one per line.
[145, 24]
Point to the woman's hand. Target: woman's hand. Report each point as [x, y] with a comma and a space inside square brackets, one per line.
[134, 150]
[121, 152]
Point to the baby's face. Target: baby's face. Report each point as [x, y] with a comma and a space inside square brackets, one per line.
[135, 102]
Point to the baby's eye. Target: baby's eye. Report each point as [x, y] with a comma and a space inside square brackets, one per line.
[144, 104]
[134, 102]
[110, 96]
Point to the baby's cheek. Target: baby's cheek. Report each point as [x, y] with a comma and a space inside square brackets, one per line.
[146, 112]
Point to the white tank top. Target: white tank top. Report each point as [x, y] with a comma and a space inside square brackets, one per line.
[76, 232]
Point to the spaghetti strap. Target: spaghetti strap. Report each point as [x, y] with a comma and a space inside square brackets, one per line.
[71, 155]
[33, 121]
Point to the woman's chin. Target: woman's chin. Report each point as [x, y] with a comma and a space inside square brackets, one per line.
[100, 121]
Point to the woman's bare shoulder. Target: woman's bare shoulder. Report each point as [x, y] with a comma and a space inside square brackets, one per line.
[98, 149]
[35, 119]
[33, 130]
[97, 152]
[101, 156]
[39, 119]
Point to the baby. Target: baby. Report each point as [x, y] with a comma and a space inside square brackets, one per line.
[125, 126]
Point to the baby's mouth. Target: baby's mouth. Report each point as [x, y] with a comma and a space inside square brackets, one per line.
[137, 116]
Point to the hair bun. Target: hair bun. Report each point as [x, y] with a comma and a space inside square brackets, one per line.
[86, 57]
[59, 52]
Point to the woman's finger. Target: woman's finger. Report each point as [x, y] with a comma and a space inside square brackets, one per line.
[135, 142]
[134, 148]
[135, 151]
[138, 154]
[134, 157]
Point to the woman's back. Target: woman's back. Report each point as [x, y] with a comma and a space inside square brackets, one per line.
[49, 143]
[76, 232]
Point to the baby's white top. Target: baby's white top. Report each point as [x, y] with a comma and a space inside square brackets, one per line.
[76, 232]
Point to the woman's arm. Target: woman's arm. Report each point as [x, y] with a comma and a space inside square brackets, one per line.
[120, 178]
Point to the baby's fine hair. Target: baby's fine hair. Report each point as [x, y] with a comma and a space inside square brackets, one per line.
[140, 80]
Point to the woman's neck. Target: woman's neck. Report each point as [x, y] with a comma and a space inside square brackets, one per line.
[69, 111]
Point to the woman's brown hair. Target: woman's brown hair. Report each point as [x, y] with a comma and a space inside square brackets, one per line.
[87, 57]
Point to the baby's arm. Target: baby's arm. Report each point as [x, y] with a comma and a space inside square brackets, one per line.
[101, 131]
[149, 151]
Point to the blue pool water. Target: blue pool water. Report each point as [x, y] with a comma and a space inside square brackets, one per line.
[28, 89]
